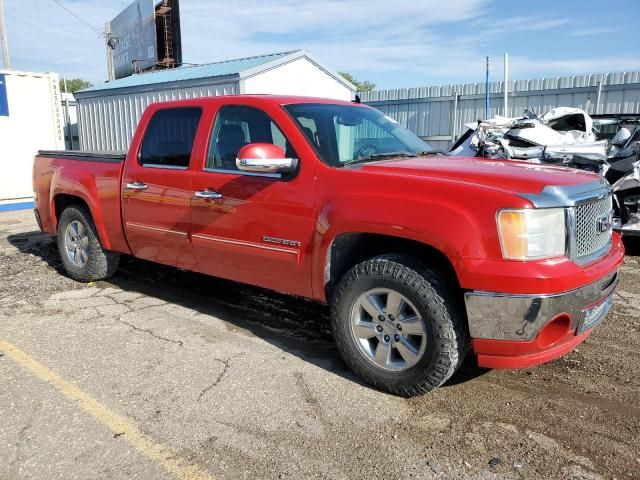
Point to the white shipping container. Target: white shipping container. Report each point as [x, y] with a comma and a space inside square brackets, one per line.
[34, 122]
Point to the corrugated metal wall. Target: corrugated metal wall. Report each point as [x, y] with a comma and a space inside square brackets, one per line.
[438, 113]
[107, 123]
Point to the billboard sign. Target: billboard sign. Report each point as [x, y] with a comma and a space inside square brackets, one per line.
[4, 101]
[135, 31]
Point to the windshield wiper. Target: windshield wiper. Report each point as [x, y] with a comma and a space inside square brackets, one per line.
[379, 156]
[426, 153]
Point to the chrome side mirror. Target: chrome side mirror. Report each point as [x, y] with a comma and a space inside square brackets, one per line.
[264, 158]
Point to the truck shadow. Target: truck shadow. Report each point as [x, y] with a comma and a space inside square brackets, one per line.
[293, 324]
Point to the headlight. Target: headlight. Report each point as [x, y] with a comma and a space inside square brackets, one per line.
[530, 234]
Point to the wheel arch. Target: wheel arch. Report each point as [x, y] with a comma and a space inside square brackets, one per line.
[348, 249]
[61, 201]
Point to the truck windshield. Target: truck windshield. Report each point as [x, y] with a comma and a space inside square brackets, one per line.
[346, 134]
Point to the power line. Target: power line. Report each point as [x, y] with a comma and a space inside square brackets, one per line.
[92, 27]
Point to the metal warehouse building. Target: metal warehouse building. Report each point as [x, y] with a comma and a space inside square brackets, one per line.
[108, 113]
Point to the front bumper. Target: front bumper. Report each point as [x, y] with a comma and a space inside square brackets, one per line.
[515, 331]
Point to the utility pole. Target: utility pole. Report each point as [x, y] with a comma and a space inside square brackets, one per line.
[110, 47]
[3, 39]
[67, 117]
[506, 85]
[486, 93]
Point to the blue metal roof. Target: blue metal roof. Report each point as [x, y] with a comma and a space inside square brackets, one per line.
[217, 69]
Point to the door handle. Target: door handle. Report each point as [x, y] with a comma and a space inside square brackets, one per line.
[136, 186]
[207, 194]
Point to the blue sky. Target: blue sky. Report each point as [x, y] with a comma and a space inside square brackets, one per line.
[394, 44]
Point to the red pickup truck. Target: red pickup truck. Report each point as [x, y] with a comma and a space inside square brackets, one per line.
[422, 257]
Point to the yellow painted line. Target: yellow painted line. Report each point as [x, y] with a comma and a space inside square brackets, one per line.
[164, 456]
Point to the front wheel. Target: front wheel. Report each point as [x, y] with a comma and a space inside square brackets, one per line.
[397, 325]
[81, 253]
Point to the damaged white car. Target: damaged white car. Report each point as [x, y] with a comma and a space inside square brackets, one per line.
[604, 144]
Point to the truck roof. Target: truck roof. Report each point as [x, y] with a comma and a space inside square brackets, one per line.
[277, 99]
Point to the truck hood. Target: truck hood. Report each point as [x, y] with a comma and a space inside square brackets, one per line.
[507, 176]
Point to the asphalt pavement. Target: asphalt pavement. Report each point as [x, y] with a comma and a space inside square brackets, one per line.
[164, 374]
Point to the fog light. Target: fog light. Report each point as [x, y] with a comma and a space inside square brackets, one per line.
[554, 330]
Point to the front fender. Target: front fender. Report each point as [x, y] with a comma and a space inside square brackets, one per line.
[457, 219]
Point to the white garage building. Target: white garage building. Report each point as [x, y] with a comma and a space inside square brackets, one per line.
[108, 113]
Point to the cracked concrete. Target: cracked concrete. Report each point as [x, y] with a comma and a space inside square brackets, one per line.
[245, 383]
[150, 332]
[22, 440]
[226, 363]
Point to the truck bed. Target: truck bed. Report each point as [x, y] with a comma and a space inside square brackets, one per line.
[62, 176]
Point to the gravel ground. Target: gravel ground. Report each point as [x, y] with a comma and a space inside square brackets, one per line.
[227, 381]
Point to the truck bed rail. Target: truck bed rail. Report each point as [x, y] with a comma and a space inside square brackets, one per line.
[104, 157]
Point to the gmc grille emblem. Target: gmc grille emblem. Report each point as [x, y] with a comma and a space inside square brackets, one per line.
[603, 224]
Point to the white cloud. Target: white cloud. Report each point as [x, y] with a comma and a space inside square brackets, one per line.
[353, 33]
[568, 66]
[521, 23]
[586, 32]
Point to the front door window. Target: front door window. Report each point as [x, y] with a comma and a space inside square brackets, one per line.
[237, 126]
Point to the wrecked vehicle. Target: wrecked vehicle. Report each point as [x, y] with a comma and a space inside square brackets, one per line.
[623, 133]
[603, 144]
[607, 125]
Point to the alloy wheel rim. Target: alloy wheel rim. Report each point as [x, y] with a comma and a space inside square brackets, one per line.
[388, 329]
[76, 243]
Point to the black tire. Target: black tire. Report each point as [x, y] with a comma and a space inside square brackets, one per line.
[444, 323]
[100, 264]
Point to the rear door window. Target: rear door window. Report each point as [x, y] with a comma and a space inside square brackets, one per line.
[169, 137]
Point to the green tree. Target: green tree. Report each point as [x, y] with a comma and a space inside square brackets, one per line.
[364, 86]
[75, 84]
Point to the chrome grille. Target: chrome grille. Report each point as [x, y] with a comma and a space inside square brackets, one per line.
[589, 240]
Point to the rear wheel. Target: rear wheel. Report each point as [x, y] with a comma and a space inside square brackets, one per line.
[398, 326]
[81, 253]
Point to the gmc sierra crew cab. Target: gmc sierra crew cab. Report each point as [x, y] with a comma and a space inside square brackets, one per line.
[424, 259]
